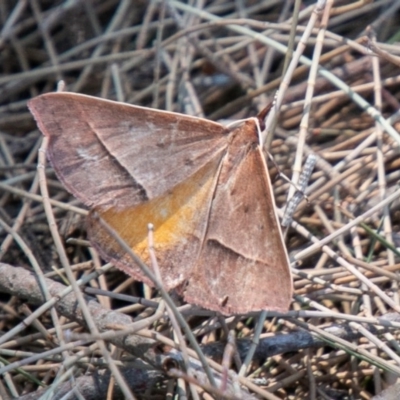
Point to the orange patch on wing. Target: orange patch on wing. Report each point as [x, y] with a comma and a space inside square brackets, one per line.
[175, 216]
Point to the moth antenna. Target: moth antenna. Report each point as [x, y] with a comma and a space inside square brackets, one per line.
[280, 174]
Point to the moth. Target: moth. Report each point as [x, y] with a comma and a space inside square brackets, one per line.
[204, 187]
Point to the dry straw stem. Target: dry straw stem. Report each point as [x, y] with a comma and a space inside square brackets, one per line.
[338, 99]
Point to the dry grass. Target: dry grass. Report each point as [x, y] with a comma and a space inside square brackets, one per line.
[224, 61]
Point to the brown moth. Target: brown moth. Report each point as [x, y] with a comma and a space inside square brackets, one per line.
[204, 187]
